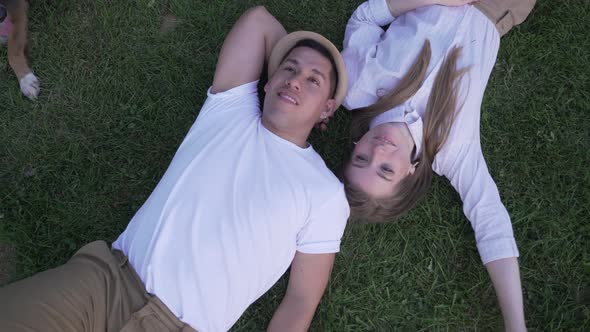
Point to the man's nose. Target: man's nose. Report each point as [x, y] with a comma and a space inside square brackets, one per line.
[293, 82]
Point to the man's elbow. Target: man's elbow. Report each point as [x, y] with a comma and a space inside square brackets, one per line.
[260, 20]
[257, 14]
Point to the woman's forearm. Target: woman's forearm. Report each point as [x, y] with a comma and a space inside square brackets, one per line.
[505, 276]
[398, 7]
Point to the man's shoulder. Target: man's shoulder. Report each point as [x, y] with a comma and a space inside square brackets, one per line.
[320, 178]
[242, 99]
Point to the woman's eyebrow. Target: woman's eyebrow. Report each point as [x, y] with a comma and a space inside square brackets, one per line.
[381, 175]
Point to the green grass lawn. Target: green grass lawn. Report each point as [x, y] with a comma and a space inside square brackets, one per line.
[119, 92]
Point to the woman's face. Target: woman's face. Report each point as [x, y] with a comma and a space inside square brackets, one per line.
[381, 159]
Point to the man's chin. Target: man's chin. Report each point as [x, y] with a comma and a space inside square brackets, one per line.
[277, 119]
[285, 107]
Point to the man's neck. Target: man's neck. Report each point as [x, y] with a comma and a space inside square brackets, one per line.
[286, 134]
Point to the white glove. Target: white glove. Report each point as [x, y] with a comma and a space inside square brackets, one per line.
[29, 85]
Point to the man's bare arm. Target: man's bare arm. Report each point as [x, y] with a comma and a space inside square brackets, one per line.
[307, 281]
[246, 48]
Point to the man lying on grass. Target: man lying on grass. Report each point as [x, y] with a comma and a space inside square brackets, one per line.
[244, 197]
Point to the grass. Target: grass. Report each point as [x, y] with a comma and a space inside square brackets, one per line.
[118, 96]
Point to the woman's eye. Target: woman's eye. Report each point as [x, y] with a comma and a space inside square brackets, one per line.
[360, 158]
[289, 69]
[314, 81]
[386, 168]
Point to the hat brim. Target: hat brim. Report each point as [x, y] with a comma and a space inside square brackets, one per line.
[286, 43]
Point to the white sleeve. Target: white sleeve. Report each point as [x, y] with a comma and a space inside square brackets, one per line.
[364, 26]
[465, 167]
[220, 108]
[322, 233]
[361, 37]
[244, 95]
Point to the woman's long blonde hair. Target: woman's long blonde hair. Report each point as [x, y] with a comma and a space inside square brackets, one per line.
[439, 117]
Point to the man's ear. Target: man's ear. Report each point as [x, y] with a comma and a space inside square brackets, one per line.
[266, 87]
[329, 110]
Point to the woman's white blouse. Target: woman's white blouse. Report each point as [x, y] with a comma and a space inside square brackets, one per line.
[377, 59]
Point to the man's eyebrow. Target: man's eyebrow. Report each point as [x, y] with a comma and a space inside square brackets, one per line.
[314, 70]
[317, 72]
[293, 61]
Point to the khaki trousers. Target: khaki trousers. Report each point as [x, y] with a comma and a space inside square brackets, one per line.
[96, 290]
[505, 14]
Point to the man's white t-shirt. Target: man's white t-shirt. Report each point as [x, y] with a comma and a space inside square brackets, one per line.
[227, 217]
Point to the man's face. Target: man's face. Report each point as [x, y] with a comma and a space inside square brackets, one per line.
[298, 95]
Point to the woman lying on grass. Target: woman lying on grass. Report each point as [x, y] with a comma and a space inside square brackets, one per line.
[415, 91]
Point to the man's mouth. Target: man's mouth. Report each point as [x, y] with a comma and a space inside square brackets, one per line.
[286, 97]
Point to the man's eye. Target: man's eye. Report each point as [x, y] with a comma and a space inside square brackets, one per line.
[360, 158]
[289, 69]
[314, 81]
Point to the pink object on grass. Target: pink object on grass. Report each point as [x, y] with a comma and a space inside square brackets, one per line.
[5, 28]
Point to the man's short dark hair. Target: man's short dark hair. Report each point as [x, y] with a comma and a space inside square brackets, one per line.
[324, 52]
